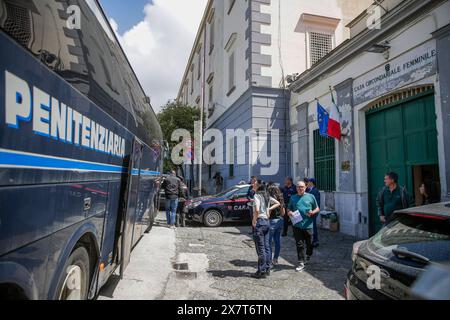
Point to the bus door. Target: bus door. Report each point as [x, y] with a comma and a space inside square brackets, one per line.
[129, 218]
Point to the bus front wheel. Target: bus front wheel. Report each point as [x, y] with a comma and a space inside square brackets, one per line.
[74, 281]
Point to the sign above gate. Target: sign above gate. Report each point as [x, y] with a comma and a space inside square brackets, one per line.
[415, 65]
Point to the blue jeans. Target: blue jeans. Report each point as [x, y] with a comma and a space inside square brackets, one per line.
[171, 211]
[316, 234]
[276, 227]
[261, 236]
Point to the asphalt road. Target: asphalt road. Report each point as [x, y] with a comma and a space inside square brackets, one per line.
[216, 264]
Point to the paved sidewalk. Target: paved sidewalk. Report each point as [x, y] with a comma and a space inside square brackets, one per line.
[149, 268]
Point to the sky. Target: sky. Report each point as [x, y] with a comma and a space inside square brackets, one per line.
[157, 36]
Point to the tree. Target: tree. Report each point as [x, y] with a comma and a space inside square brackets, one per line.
[176, 116]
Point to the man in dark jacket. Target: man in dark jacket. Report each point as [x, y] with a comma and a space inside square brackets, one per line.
[173, 189]
[312, 189]
[392, 198]
[218, 182]
[288, 191]
[184, 196]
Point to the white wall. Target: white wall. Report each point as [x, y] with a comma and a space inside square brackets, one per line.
[217, 61]
[235, 22]
[293, 43]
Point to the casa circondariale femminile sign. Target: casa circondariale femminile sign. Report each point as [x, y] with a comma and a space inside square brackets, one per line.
[415, 65]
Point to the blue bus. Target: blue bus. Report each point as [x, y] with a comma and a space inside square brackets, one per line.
[80, 151]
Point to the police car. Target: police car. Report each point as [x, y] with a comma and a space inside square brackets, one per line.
[230, 205]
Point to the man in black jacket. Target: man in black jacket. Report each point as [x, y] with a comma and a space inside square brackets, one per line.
[288, 191]
[173, 189]
[312, 189]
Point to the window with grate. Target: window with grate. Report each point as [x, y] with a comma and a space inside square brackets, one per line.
[320, 44]
[231, 156]
[324, 162]
[231, 73]
[192, 77]
[211, 94]
[18, 24]
[212, 36]
[199, 64]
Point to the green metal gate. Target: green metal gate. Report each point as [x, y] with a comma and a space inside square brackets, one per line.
[399, 137]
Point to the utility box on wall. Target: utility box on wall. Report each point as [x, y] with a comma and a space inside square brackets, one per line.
[329, 220]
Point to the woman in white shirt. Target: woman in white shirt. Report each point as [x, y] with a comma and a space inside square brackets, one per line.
[263, 205]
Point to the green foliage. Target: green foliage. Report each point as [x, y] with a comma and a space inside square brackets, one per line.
[176, 116]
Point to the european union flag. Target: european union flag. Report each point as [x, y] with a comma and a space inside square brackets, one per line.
[323, 117]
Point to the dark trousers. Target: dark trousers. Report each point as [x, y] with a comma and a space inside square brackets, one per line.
[180, 213]
[287, 222]
[261, 236]
[316, 234]
[303, 239]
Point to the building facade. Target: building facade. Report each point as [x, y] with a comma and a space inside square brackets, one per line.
[391, 85]
[243, 52]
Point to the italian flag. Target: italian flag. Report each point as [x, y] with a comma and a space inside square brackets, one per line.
[329, 122]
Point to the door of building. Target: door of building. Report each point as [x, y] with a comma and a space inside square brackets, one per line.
[400, 138]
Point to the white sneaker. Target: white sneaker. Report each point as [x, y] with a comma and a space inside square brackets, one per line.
[300, 267]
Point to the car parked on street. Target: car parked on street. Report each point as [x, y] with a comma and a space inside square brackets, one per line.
[212, 211]
[387, 266]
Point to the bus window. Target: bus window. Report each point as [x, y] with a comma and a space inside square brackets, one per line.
[90, 59]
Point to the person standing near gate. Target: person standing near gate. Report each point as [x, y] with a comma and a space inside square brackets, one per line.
[173, 189]
[391, 198]
[218, 181]
[276, 222]
[251, 197]
[181, 219]
[261, 227]
[312, 189]
[288, 191]
[305, 206]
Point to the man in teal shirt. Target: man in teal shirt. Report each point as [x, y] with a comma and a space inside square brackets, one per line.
[306, 205]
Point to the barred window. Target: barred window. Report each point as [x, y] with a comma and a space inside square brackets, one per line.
[320, 45]
[18, 23]
[324, 162]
